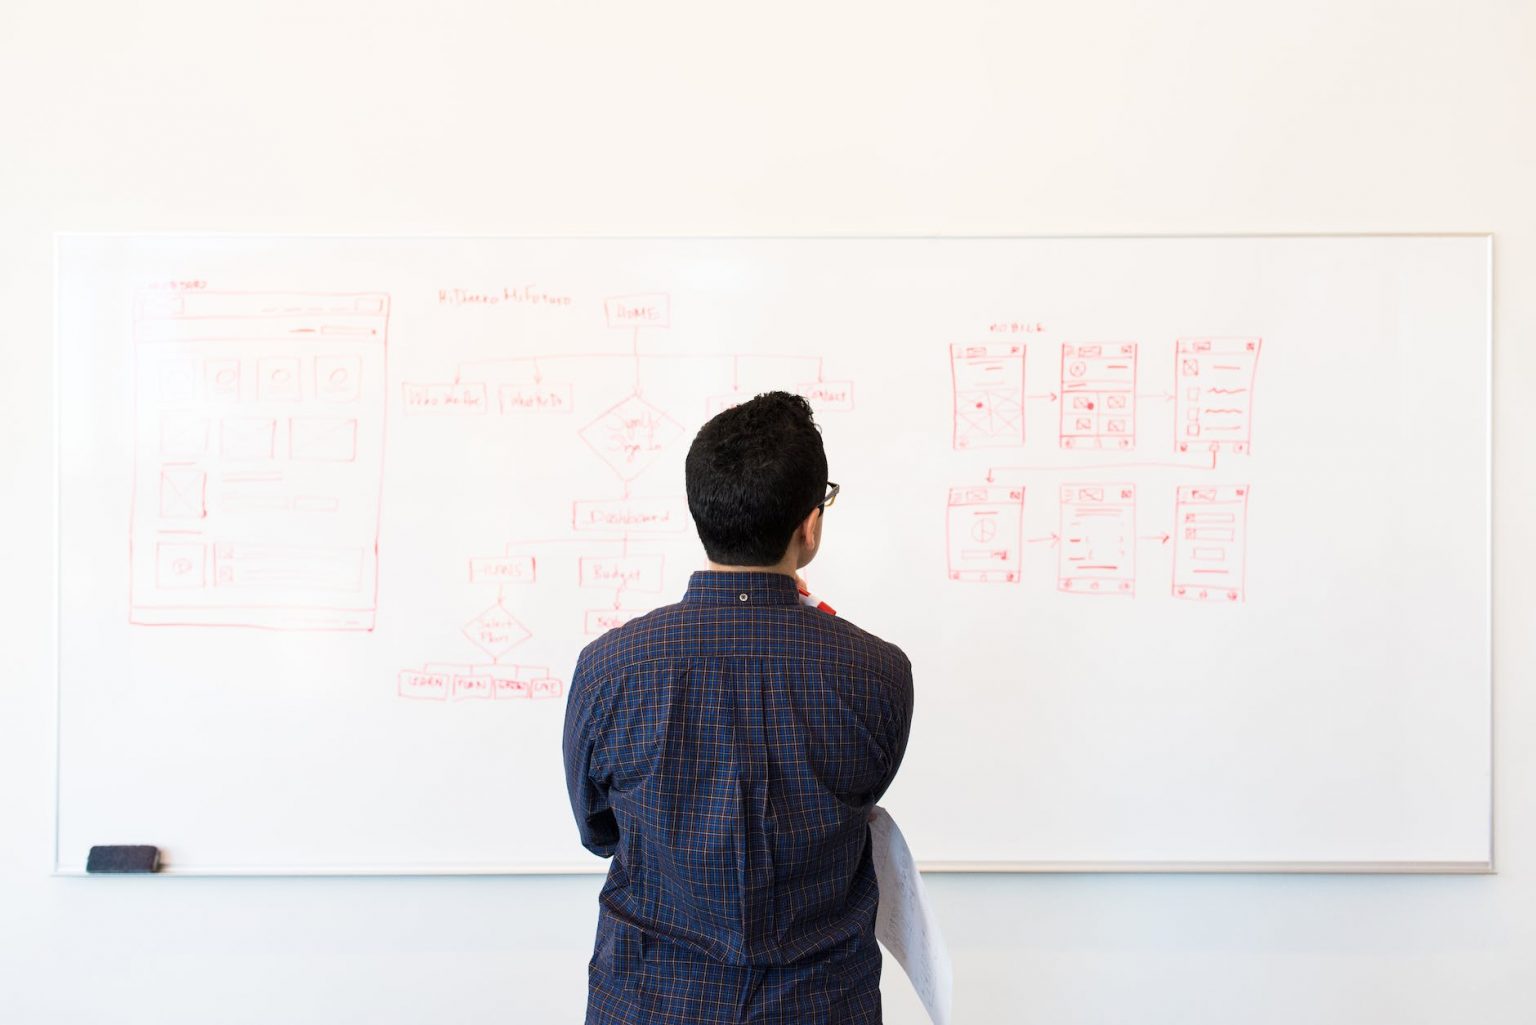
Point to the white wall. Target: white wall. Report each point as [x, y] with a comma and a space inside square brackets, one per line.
[786, 118]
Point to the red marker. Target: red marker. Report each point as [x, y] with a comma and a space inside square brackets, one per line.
[807, 598]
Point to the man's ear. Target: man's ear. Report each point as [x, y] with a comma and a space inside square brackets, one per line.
[808, 533]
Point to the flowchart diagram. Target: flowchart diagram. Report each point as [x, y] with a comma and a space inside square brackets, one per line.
[615, 548]
[1209, 402]
[259, 453]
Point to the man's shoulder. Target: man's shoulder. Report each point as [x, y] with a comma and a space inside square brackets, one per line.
[680, 630]
[635, 640]
[860, 644]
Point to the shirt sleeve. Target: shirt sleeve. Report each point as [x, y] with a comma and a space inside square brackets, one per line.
[897, 725]
[589, 797]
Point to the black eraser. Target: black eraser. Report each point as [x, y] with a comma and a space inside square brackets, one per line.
[120, 858]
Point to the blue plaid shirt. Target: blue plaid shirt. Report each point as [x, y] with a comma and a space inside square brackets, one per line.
[726, 752]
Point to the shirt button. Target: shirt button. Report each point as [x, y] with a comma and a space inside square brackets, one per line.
[743, 597]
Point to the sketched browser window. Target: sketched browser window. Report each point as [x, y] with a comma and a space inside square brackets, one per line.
[258, 458]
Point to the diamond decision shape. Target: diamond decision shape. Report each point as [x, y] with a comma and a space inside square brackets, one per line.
[631, 435]
[496, 631]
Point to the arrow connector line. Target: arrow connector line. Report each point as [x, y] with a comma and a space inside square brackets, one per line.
[635, 347]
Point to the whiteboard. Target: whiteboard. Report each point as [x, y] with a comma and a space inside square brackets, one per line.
[1187, 538]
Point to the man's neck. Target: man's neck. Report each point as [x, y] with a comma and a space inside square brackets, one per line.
[784, 566]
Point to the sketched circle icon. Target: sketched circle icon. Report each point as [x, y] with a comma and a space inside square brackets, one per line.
[1078, 368]
[983, 530]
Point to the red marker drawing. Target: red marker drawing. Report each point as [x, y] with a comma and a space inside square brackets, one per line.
[807, 598]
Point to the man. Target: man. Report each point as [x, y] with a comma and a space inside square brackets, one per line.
[726, 752]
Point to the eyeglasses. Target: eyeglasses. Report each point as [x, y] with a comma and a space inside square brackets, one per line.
[833, 489]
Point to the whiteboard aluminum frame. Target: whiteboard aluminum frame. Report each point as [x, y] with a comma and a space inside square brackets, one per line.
[1484, 867]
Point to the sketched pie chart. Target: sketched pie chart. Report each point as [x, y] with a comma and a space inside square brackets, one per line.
[983, 530]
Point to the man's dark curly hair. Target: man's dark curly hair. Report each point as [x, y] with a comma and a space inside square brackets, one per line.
[754, 472]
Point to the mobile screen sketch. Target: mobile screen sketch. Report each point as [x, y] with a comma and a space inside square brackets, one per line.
[985, 534]
[1098, 396]
[1211, 546]
[988, 385]
[1098, 539]
[258, 448]
[1215, 393]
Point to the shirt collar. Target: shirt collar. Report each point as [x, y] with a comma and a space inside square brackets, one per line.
[711, 587]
